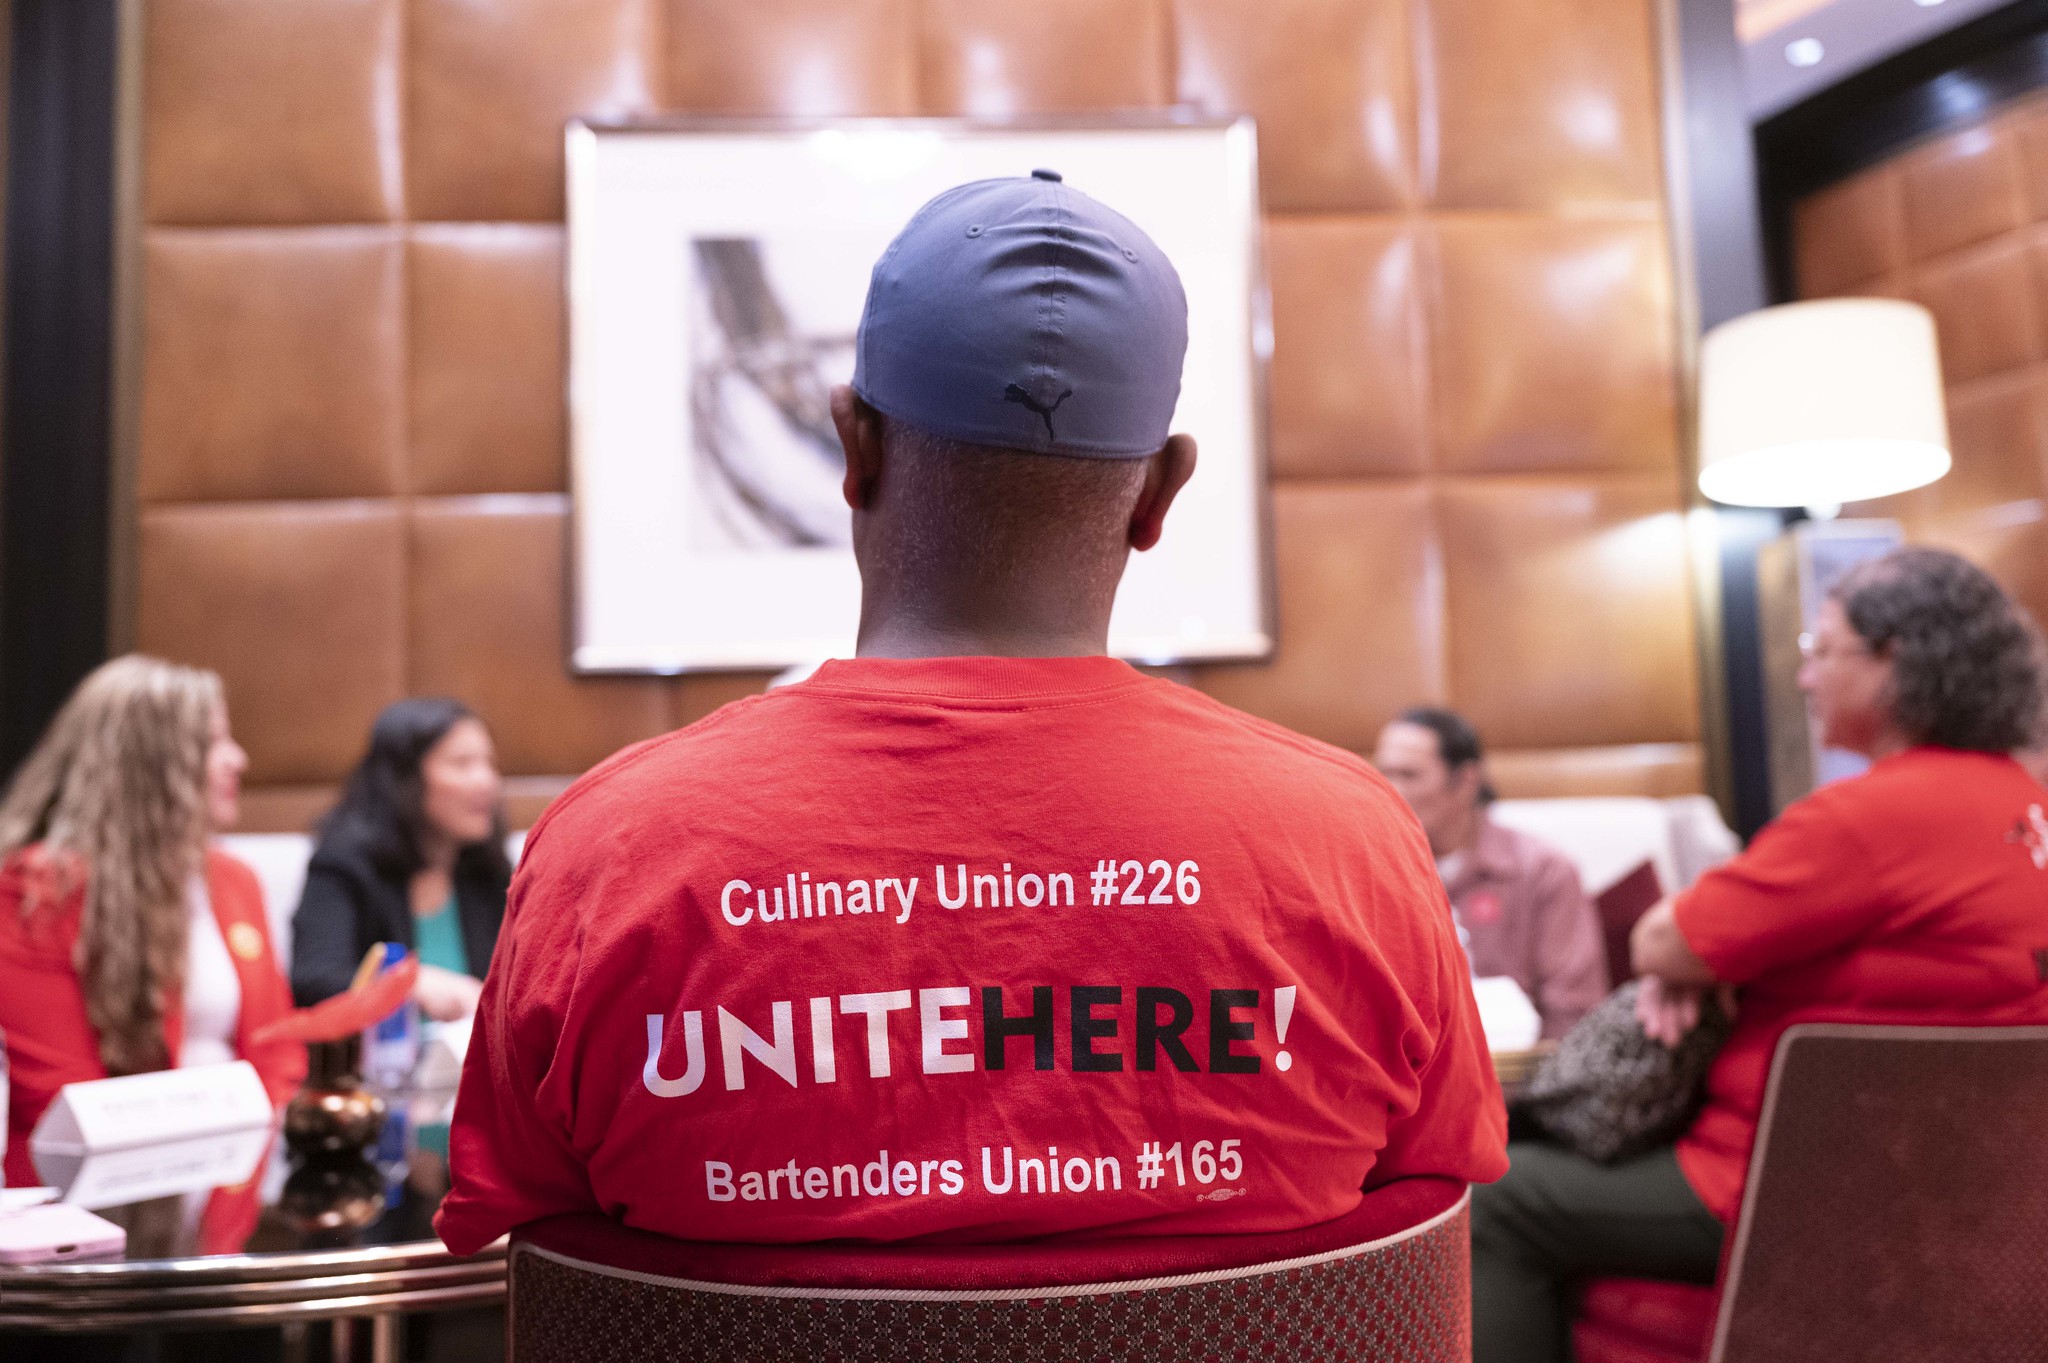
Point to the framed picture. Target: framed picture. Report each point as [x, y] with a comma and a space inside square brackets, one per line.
[716, 276]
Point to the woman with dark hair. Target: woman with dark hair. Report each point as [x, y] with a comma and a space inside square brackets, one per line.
[1914, 893]
[413, 853]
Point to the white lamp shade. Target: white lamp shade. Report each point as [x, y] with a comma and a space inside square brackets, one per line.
[1821, 403]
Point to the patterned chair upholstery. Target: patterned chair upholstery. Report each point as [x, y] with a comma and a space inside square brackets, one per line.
[1897, 1206]
[1897, 1209]
[1391, 1280]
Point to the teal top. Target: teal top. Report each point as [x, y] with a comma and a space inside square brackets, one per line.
[437, 938]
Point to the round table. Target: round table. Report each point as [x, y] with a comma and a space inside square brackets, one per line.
[362, 1272]
[347, 1239]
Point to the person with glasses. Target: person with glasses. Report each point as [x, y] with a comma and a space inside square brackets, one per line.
[1916, 892]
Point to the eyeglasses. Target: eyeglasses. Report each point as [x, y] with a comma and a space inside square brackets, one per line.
[1811, 651]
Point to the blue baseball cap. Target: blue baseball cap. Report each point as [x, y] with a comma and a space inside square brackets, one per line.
[1021, 313]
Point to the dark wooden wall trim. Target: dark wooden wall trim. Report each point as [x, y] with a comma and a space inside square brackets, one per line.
[1719, 194]
[55, 470]
[1948, 82]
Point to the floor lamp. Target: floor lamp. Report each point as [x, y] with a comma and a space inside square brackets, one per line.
[1816, 406]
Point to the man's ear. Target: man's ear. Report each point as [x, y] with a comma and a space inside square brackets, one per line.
[1166, 473]
[860, 436]
[1465, 781]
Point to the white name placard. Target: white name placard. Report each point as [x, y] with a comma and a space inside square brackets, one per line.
[117, 1177]
[150, 1109]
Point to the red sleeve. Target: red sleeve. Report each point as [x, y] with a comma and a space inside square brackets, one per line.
[1805, 888]
[1459, 1128]
[50, 1041]
[509, 1156]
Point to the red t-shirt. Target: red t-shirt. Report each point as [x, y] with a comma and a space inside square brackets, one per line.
[1917, 892]
[49, 1038]
[970, 947]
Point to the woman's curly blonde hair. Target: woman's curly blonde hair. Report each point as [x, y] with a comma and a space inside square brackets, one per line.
[115, 793]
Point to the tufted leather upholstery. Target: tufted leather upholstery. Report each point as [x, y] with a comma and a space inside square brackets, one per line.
[351, 450]
[1960, 225]
[1363, 1286]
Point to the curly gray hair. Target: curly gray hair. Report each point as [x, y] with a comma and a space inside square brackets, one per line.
[1967, 662]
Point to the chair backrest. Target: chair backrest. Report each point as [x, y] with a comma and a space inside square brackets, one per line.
[1389, 1280]
[1629, 852]
[1897, 1204]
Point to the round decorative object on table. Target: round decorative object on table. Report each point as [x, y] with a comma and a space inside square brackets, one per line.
[333, 1194]
[333, 1113]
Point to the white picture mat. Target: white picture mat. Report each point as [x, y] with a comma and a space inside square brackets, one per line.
[646, 601]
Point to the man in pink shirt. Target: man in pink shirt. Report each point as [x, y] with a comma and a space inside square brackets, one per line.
[1518, 901]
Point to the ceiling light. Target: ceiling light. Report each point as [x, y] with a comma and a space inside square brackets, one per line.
[1926, 4]
[1804, 52]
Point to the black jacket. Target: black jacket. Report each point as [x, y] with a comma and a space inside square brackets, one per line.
[349, 904]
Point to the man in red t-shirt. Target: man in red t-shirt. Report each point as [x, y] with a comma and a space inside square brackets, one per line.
[981, 934]
[1916, 893]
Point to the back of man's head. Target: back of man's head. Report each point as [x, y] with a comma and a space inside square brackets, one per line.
[983, 512]
[1016, 371]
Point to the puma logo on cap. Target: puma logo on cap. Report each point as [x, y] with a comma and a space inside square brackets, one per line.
[1015, 393]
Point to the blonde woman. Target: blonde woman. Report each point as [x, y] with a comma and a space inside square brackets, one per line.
[127, 943]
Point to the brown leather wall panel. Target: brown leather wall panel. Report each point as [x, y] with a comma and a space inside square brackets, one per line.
[1998, 433]
[1983, 300]
[297, 605]
[1849, 232]
[2036, 235]
[2029, 129]
[1565, 618]
[1360, 613]
[485, 621]
[298, 808]
[1961, 225]
[260, 112]
[1551, 344]
[1350, 383]
[815, 58]
[490, 84]
[287, 809]
[1331, 83]
[1543, 103]
[998, 58]
[487, 358]
[1963, 188]
[271, 363]
[352, 449]
[2012, 550]
[1653, 769]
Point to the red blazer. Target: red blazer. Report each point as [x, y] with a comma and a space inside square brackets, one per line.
[50, 1043]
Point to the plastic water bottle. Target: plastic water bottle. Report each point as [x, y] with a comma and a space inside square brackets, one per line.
[391, 1047]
